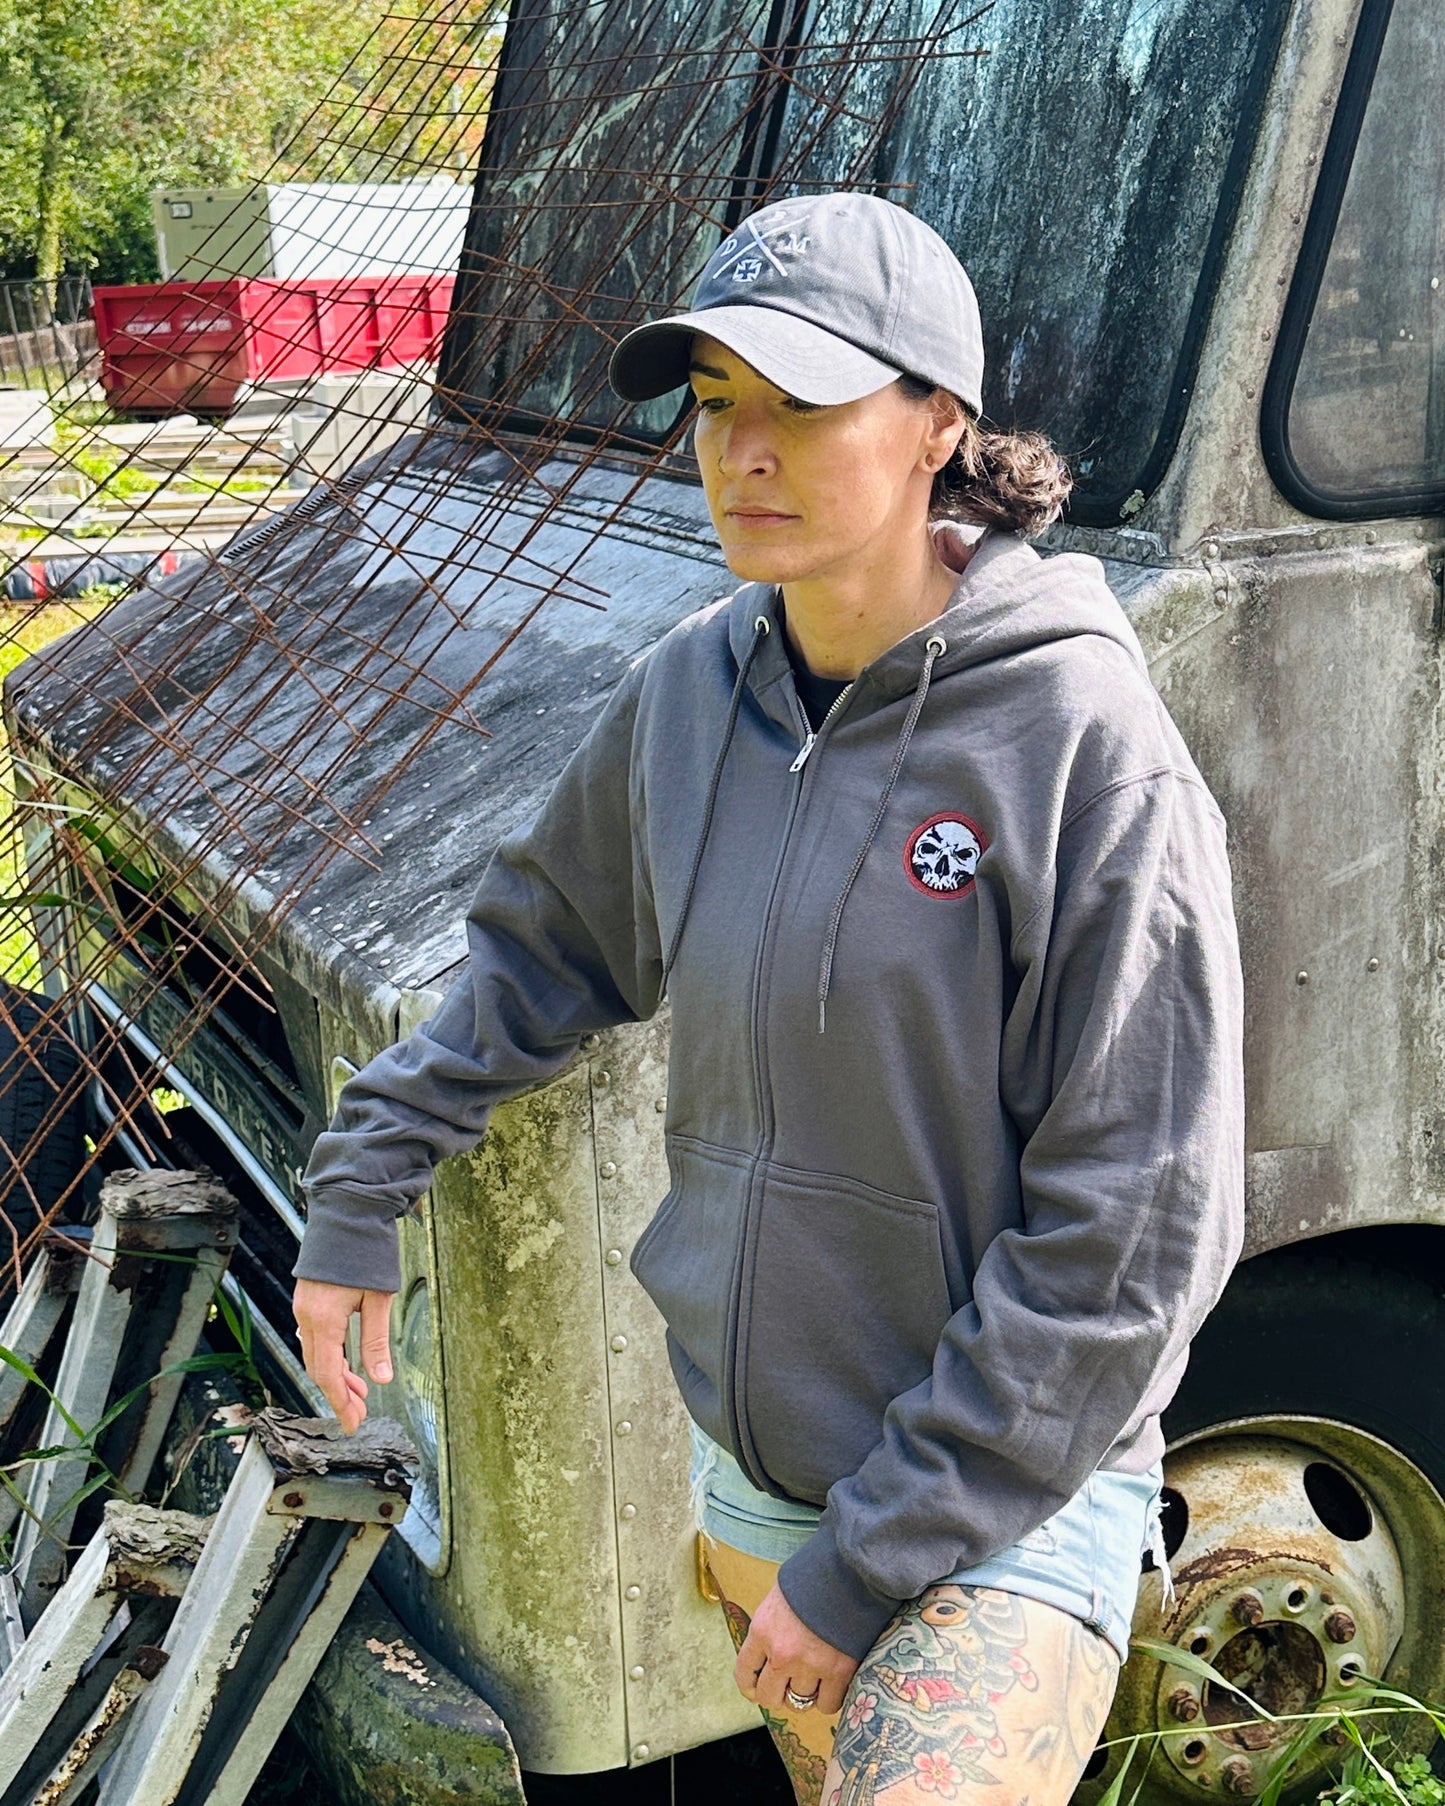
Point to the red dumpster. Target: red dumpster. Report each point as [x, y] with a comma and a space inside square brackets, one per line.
[196, 347]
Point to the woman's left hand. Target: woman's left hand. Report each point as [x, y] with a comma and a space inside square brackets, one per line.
[780, 1651]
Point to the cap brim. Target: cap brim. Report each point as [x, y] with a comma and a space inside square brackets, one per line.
[798, 357]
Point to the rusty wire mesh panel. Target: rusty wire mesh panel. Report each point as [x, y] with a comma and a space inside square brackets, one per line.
[197, 843]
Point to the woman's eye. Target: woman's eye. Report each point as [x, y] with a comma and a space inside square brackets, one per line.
[711, 404]
[795, 406]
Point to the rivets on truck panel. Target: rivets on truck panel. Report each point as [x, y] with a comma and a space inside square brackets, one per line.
[617, 1344]
[591, 1042]
[638, 1672]
[641, 1752]
[608, 1169]
[1301, 978]
[613, 1257]
[628, 1513]
[633, 1592]
[625, 1427]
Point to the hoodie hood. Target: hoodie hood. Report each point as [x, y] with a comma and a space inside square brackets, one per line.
[1009, 599]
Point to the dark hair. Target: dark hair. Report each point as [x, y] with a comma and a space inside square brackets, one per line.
[1012, 480]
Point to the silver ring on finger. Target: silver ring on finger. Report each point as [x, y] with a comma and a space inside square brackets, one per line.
[801, 1702]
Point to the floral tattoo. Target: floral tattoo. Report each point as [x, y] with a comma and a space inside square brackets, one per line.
[805, 1768]
[922, 1706]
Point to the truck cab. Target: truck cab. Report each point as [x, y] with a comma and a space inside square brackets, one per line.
[257, 794]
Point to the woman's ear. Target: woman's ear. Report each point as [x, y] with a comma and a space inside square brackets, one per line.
[945, 429]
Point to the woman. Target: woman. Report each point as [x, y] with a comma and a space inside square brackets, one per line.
[955, 1118]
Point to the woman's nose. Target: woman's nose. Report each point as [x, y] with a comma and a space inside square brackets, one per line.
[747, 448]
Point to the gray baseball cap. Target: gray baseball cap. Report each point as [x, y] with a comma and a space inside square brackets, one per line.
[830, 296]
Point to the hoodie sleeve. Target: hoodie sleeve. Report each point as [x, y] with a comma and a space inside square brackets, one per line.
[561, 942]
[1122, 1065]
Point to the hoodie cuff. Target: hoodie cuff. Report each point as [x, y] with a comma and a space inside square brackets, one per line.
[831, 1599]
[350, 1240]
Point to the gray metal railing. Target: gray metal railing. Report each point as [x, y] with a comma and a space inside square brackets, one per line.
[47, 335]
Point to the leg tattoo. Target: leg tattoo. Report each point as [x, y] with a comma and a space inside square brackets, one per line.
[923, 1705]
[968, 1689]
[805, 1767]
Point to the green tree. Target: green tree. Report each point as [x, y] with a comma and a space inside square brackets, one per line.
[103, 100]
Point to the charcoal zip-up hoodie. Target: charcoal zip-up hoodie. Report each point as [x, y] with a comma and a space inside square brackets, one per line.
[955, 1106]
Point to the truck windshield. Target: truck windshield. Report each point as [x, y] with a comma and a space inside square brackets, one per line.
[1366, 418]
[1084, 162]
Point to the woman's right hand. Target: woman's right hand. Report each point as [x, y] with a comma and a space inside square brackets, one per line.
[323, 1313]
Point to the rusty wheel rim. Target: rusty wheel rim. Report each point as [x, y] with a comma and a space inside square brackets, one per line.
[1301, 1551]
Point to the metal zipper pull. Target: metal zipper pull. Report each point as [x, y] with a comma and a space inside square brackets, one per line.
[803, 751]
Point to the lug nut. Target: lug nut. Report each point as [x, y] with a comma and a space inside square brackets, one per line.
[1340, 1626]
[1248, 1608]
[1238, 1776]
[1184, 1704]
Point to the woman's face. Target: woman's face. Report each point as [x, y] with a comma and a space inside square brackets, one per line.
[798, 491]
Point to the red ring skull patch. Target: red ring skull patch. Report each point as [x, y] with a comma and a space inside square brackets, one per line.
[942, 854]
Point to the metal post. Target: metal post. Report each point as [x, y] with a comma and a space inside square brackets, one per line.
[90, 1631]
[303, 1519]
[30, 1326]
[35, 1314]
[162, 1241]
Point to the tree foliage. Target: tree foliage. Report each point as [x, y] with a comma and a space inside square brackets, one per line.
[103, 100]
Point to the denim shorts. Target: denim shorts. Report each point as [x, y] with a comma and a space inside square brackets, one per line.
[1086, 1559]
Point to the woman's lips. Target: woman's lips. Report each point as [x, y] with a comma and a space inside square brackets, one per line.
[758, 517]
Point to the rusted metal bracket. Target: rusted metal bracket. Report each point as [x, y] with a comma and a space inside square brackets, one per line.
[303, 1519]
[64, 1696]
[161, 1242]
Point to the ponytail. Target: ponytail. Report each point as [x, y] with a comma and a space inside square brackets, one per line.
[1016, 481]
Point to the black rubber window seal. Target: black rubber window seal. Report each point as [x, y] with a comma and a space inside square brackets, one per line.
[1299, 307]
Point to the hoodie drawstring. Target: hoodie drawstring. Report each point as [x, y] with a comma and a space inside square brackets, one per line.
[761, 629]
[935, 649]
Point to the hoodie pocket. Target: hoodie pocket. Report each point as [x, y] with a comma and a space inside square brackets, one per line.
[845, 1301]
[684, 1258]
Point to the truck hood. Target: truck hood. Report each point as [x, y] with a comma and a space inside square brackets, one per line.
[332, 723]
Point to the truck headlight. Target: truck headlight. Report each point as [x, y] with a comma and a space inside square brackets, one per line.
[416, 1369]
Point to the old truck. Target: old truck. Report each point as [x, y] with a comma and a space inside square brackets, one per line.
[1207, 236]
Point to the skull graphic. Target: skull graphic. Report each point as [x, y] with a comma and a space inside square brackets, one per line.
[942, 855]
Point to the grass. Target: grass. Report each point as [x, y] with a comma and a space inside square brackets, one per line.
[23, 630]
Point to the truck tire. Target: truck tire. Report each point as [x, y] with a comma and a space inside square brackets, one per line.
[38, 1065]
[1304, 1513]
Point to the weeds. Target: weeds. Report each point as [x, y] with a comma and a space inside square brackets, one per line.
[1366, 1783]
[1375, 1773]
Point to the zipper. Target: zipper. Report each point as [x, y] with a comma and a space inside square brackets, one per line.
[811, 738]
[761, 1084]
